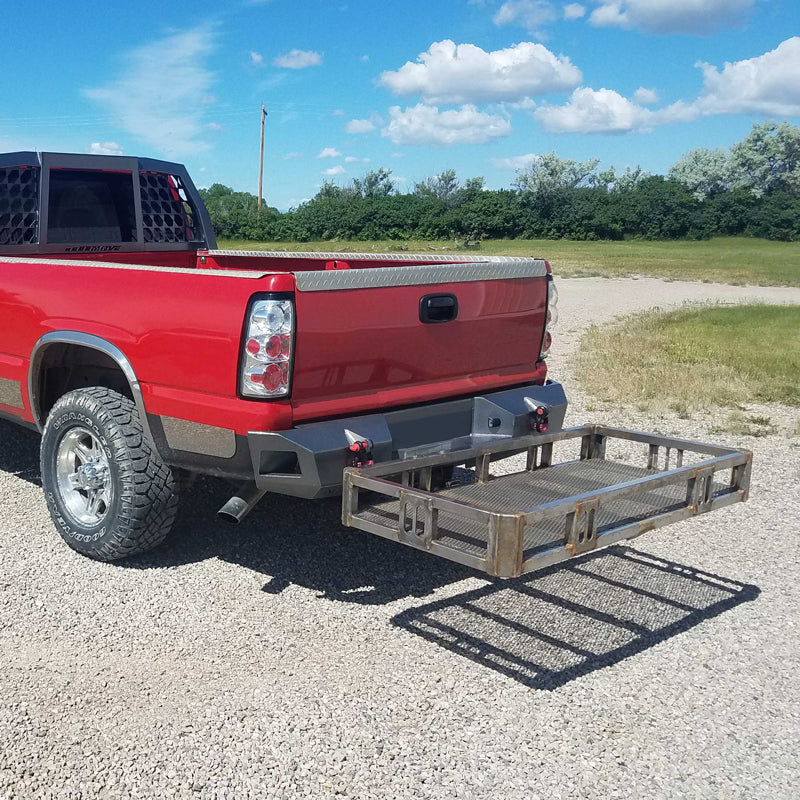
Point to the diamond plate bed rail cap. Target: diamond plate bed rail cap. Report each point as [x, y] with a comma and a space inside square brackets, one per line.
[423, 269]
[416, 275]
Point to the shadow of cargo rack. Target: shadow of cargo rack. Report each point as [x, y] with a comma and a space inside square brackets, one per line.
[547, 629]
[512, 524]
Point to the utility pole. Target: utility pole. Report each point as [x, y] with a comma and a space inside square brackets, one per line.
[261, 161]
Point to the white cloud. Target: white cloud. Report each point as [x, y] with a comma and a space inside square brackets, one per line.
[364, 59]
[574, 11]
[645, 97]
[165, 114]
[671, 16]
[337, 112]
[526, 104]
[213, 126]
[354, 159]
[531, 14]
[426, 125]
[256, 59]
[337, 170]
[329, 152]
[590, 111]
[768, 84]
[609, 15]
[515, 162]
[105, 149]
[359, 126]
[298, 59]
[292, 156]
[451, 73]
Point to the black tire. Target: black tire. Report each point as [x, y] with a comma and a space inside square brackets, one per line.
[138, 500]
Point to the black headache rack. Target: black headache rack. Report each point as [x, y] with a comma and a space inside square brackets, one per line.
[58, 203]
[510, 524]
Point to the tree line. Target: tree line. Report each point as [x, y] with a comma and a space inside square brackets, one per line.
[751, 188]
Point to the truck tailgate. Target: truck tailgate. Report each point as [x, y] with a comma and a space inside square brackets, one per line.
[364, 339]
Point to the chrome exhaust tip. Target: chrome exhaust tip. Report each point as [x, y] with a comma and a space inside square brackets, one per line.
[241, 504]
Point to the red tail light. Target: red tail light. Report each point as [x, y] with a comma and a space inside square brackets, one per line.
[268, 349]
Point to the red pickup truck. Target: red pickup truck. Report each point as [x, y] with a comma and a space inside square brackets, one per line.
[141, 352]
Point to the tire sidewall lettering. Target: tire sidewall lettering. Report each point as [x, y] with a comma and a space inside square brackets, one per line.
[86, 422]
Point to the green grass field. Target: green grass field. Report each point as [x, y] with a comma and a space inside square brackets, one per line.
[696, 357]
[736, 260]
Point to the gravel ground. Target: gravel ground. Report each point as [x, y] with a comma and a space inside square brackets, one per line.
[292, 658]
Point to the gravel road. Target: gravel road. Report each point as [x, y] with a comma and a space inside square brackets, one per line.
[289, 657]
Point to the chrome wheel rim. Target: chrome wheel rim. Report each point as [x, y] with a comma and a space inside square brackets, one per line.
[83, 476]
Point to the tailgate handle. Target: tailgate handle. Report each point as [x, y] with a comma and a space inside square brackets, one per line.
[438, 308]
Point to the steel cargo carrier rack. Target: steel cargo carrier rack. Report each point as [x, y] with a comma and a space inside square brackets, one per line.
[510, 524]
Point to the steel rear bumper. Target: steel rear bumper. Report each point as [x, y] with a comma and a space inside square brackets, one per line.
[308, 461]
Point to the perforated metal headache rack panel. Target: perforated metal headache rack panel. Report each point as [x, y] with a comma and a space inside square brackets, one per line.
[516, 523]
[167, 213]
[19, 205]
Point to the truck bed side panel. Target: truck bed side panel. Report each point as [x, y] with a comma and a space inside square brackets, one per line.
[180, 329]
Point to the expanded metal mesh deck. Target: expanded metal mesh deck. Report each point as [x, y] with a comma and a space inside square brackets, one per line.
[514, 523]
[517, 492]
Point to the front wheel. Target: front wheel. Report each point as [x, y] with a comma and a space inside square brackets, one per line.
[108, 492]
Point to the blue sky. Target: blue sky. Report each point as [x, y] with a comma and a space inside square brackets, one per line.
[480, 86]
